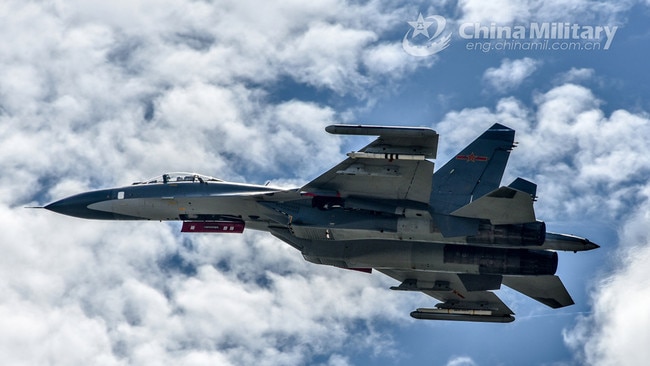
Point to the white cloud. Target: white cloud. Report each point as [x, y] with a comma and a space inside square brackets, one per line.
[96, 95]
[510, 74]
[318, 66]
[461, 361]
[576, 76]
[588, 164]
[391, 58]
[504, 12]
[585, 163]
[493, 11]
[121, 293]
[618, 330]
[64, 334]
[125, 77]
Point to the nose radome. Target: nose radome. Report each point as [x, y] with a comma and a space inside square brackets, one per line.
[77, 205]
[590, 245]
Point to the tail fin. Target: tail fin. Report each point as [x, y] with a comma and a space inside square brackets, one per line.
[474, 172]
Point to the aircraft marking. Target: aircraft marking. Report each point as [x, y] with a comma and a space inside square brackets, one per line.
[472, 158]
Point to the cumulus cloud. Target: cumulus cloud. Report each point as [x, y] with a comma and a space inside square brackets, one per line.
[616, 332]
[97, 95]
[161, 82]
[510, 74]
[576, 76]
[115, 293]
[586, 162]
[503, 12]
[494, 11]
[461, 361]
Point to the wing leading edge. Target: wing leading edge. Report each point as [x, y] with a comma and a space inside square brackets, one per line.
[393, 167]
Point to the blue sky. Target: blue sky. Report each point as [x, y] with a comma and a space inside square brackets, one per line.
[97, 94]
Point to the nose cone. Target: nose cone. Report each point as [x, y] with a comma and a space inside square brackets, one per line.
[77, 205]
[589, 245]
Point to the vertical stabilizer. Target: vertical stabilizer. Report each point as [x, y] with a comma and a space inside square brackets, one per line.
[473, 172]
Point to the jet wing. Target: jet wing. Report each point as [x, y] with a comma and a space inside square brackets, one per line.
[464, 297]
[394, 166]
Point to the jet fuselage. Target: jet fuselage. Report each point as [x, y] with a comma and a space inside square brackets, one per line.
[455, 235]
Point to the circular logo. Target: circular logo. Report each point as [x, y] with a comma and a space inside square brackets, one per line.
[417, 42]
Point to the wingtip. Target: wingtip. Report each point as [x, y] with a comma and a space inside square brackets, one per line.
[500, 127]
[331, 129]
[380, 130]
[499, 132]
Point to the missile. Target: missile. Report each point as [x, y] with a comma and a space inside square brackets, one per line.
[472, 315]
[395, 142]
[213, 227]
[385, 131]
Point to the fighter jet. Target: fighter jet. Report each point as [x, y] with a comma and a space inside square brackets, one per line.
[456, 235]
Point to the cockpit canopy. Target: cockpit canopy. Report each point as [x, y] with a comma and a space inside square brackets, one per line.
[179, 177]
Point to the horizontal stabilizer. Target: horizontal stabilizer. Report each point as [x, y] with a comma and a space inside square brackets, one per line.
[548, 290]
[501, 206]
